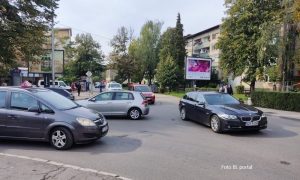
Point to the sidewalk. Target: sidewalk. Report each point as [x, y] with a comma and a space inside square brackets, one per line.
[84, 95]
[13, 167]
[282, 114]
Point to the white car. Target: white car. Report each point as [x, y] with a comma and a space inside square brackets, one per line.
[113, 86]
[60, 84]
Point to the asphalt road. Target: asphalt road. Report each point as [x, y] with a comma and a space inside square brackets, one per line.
[162, 147]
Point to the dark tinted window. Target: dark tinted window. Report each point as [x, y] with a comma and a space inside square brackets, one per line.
[220, 99]
[123, 96]
[22, 101]
[104, 97]
[142, 88]
[200, 98]
[2, 99]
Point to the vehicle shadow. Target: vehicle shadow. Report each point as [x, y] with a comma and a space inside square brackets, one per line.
[108, 144]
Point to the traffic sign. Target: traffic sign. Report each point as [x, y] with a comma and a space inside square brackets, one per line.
[89, 74]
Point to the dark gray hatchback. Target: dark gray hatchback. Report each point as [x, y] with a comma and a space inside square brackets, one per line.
[43, 115]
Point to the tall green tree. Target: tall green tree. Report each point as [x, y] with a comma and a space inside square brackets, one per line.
[180, 52]
[167, 73]
[88, 55]
[249, 37]
[134, 53]
[149, 44]
[22, 29]
[119, 57]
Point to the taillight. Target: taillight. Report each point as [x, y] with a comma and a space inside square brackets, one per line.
[145, 102]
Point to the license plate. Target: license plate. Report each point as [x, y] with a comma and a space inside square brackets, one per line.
[104, 129]
[254, 123]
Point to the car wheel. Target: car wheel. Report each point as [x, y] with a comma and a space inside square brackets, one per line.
[61, 138]
[134, 113]
[215, 124]
[183, 114]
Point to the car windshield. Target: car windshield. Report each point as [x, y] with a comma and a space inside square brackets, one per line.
[56, 100]
[115, 85]
[62, 84]
[220, 99]
[142, 88]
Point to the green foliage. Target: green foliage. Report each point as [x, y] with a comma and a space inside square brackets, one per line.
[276, 100]
[22, 28]
[249, 37]
[200, 89]
[134, 52]
[149, 45]
[119, 58]
[166, 73]
[273, 73]
[240, 89]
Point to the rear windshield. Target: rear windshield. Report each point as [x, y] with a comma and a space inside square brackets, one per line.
[56, 100]
[142, 88]
[114, 86]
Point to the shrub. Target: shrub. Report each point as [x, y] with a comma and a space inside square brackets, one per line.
[200, 89]
[276, 100]
[240, 89]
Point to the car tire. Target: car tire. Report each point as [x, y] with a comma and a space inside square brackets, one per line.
[215, 124]
[134, 113]
[183, 114]
[61, 138]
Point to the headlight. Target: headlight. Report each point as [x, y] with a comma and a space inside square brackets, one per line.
[263, 115]
[227, 116]
[85, 121]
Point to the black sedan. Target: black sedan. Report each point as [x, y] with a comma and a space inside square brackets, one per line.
[221, 112]
[63, 92]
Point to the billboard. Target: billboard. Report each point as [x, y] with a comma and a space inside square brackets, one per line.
[198, 68]
[43, 63]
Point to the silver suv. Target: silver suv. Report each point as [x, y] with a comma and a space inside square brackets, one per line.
[118, 103]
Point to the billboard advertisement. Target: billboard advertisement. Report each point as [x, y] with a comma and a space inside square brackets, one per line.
[43, 63]
[198, 68]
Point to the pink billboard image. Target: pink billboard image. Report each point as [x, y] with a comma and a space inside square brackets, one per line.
[198, 65]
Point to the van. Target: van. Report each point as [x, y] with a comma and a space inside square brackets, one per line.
[60, 84]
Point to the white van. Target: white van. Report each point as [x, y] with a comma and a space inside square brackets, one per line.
[60, 84]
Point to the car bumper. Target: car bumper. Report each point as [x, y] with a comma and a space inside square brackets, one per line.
[146, 110]
[90, 134]
[151, 99]
[237, 125]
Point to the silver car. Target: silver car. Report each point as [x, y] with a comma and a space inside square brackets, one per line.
[118, 103]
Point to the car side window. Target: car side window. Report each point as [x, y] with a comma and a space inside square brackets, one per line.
[2, 99]
[123, 96]
[104, 97]
[46, 109]
[200, 98]
[22, 101]
[192, 96]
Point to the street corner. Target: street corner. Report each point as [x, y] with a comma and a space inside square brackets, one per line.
[22, 167]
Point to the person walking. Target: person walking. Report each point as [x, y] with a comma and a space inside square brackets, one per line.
[229, 89]
[78, 86]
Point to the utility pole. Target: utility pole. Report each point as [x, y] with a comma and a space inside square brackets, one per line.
[52, 50]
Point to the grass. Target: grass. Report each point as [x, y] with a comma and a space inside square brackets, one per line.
[241, 96]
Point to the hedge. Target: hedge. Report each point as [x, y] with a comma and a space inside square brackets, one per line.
[240, 89]
[200, 89]
[276, 100]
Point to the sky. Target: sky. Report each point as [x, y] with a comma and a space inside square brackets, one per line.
[102, 18]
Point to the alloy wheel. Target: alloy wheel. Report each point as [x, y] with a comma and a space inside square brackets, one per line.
[59, 138]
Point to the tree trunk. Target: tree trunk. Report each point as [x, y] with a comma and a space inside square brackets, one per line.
[252, 86]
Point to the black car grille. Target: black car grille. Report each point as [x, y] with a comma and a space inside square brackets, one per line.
[99, 121]
[253, 118]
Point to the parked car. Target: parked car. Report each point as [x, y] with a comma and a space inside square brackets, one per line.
[60, 84]
[118, 103]
[221, 112]
[145, 90]
[113, 86]
[63, 92]
[43, 115]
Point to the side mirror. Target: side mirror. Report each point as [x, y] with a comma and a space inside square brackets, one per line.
[34, 109]
[93, 99]
[201, 104]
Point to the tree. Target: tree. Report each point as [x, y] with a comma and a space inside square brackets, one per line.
[149, 44]
[180, 52]
[119, 57]
[88, 55]
[22, 29]
[134, 53]
[167, 72]
[249, 37]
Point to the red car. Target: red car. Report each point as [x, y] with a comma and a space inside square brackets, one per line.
[145, 90]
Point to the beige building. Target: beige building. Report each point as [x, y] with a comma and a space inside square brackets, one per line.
[203, 44]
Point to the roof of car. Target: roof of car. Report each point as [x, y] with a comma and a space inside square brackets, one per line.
[205, 92]
[18, 88]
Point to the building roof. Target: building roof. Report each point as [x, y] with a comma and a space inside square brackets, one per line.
[189, 36]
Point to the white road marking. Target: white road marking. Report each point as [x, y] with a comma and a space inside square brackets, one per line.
[65, 165]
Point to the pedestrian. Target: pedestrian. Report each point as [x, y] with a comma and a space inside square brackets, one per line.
[78, 86]
[229, 90]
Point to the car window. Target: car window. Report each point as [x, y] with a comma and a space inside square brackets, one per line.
[123, 96]
[46, 109]
[2, 99]
[104, 97]
[191, 96]
[200, 98]
[142, 88]
[42, 83]
[22, 101]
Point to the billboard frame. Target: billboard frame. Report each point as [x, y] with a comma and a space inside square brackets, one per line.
[197, 58]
